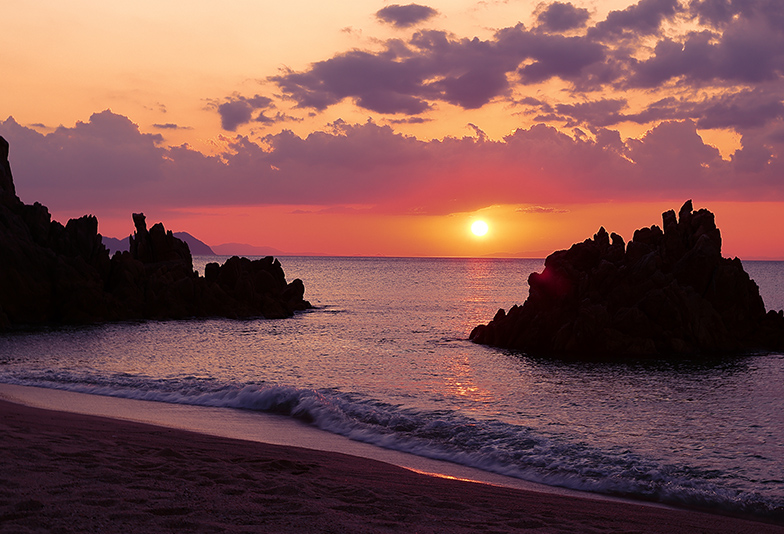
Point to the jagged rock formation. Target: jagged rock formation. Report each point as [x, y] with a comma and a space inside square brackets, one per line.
[666, 293]
[50, 273]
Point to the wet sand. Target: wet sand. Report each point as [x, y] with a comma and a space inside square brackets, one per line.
[66, 472]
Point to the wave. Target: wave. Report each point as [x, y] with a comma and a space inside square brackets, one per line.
[490, 445]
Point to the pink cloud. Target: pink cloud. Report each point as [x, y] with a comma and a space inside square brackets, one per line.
[108, 163]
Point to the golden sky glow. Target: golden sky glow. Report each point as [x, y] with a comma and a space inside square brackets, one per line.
[379, 128]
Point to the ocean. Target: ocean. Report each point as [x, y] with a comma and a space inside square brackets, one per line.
[384, 358]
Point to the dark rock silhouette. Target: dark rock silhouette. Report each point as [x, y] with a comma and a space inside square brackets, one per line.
[50, 273]
[196, 246]
[668, 292]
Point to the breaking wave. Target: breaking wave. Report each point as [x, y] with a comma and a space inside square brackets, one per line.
[490, 445]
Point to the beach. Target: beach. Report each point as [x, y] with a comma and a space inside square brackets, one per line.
[68, 472]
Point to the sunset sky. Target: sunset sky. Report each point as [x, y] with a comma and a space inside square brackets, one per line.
[364, 128]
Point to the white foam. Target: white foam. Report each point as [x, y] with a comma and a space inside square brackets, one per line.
[259, 427]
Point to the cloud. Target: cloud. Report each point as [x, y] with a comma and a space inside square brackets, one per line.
[107, 163]
[741, 111]
[641, 19]
[720, 13]
[749, 51]
[742, 44]
[673, 151]
[541, 209]
[407, 77]
[279, 117]
[377, 82]
[171, 126]
[86, 165]
[561, 16]
[410, 120]
[725, 71]
[237, 110]
[599, 113]
[332, 210]
[405, 16]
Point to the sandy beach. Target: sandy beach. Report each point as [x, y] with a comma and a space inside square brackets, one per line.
[65, 472]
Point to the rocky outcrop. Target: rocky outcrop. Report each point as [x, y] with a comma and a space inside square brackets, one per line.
[668, 292]
[50, 273]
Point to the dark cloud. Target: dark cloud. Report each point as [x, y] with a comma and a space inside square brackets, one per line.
[378, 82]
[741, 111]
[279, 117]
[749, 50]
[432, 66]
[405, 16]
[641, 19]
[720, 13]
[712, 12]
[754, 156]
[562, 57]
[171, 126]
[672, 59]
[89, 164]
[410, 120]
[562, 16]
[599, 113]
[237, 110]
[672, 152]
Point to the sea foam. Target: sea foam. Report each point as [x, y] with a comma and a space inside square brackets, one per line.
[490, 445]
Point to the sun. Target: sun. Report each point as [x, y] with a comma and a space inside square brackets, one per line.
[479, 228]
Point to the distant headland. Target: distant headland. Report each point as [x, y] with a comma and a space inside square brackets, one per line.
[668, 292]
[55, 274]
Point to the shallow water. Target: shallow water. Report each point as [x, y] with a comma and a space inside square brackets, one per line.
[384, 358]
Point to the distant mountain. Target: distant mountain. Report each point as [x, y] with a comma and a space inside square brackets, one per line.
[198, 247]
[243, 249]
[116, 245]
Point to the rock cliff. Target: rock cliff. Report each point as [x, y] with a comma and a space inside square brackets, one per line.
[50, 273]
[668, 292]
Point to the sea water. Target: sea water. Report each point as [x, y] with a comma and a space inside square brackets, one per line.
[384, 358]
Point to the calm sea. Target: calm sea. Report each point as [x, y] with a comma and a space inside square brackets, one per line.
[384, 359]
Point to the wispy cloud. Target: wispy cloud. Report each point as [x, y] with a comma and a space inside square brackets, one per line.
[541, 209]
[171, 126]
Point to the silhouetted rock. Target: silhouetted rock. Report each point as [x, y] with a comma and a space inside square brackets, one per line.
[7, 189]
[196, 246]
[667, 292]
[50, 273]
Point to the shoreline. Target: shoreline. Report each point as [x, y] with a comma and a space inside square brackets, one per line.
[263, 427]
[70, 472]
